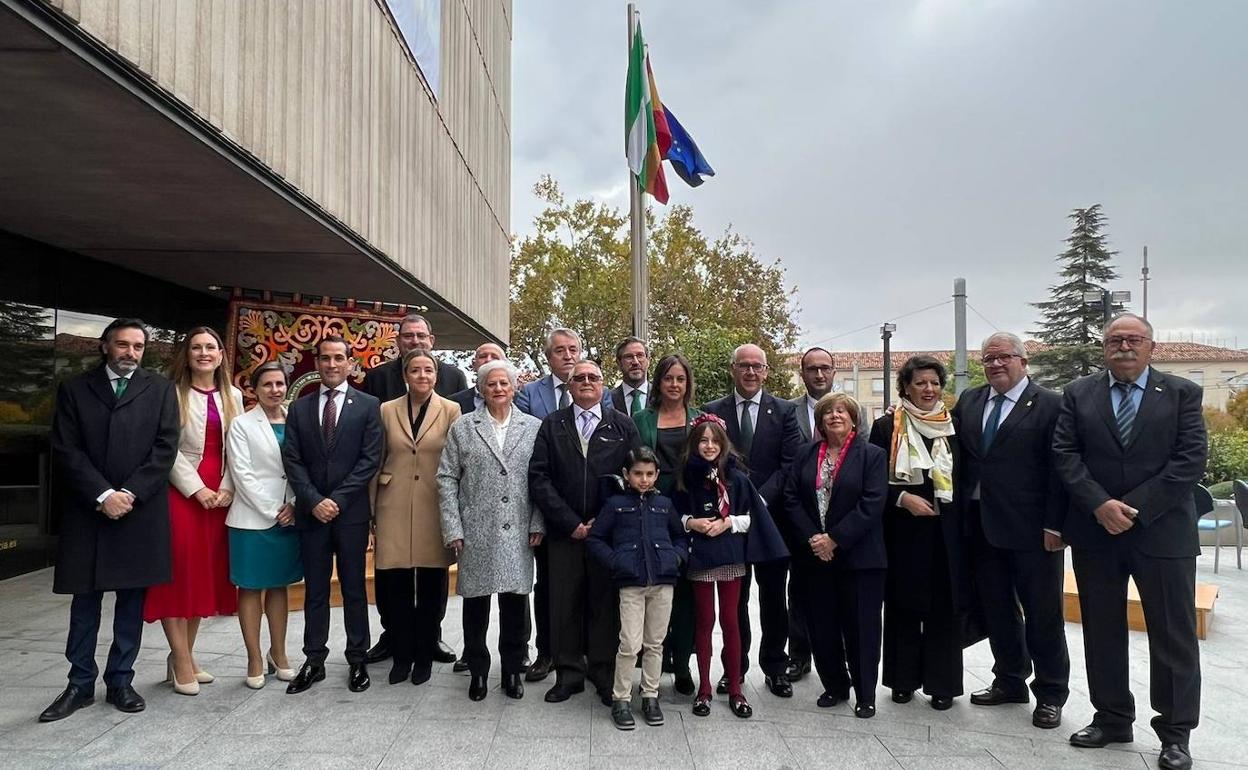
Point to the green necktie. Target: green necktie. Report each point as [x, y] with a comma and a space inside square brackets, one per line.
[120, 386]
[747, 427]
[636, 406]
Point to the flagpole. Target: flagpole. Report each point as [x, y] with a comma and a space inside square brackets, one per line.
[637, 241]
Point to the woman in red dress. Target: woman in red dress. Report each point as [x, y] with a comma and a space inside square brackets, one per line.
[200, 494]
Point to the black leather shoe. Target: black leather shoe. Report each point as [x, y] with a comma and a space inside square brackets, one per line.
[477, 688]
[903, 696]
[702, 706]
[1047, 716]
[125, 699]
[650, 711]
[1174, 756]
[378, 652]
[741, 707]
[995, 696]
[622, 715]
[830, 699]
[309, 674]
[683, 682]
[1096, 737]
[513, 687]
[357, 677]
[864, 710]
[443, 653]
[561, 692]
[539, 670]
[797, 669]
[421, 674]
[69, 701]
[460, 666]
[942, 702]
[399, 672]
[722, 687]
[779, 686]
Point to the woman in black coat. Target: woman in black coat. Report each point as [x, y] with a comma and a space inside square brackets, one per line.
[834, 505]
[926, 593]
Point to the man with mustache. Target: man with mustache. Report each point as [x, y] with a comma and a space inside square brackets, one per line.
[1129, 445]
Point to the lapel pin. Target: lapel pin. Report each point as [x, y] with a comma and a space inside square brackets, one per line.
[768, 411]
[1157, 388]
[1027, 404]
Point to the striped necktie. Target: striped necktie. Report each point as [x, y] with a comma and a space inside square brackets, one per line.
[1126, 411]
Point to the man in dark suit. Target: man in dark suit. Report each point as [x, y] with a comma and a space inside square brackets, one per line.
[764, 429]
[331, 453]
[576, 447]
[114, 440]
[1130, 444]
[1013, 504]
[633, 359]
[540, 398]
[386, 383]
[469, 399]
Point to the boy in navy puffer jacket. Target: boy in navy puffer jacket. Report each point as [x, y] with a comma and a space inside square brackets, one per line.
[640, 538]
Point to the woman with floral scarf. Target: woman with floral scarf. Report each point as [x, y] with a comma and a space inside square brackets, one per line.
[926, 590]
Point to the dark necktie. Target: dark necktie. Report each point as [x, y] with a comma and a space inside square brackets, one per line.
[636, 406]
[747, 427]
[329, 420]
[120, 387]
[994, 422]
[564, 398]
[1126, 411]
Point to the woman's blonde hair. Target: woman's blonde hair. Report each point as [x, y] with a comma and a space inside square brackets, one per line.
[829, 402]
[179, 372]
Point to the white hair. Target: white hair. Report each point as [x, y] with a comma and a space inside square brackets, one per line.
[561, 332]
[1015, 341]
[483, 373]
[1120, 316]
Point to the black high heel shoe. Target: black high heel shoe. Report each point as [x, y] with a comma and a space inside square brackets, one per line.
[399, 672]
[513, 687]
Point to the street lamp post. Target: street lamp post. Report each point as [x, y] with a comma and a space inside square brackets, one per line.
[886, 334]
[1110, 302]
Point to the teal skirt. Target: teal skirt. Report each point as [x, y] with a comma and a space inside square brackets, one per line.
[265, 558]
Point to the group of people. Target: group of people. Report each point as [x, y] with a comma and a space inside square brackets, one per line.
[627, 513]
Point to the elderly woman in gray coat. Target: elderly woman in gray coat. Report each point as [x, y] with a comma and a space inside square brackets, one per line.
[488, 521]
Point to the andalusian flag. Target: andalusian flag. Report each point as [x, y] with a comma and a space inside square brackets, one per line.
[646, 134]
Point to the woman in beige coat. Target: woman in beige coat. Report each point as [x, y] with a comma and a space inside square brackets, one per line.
[408, 527]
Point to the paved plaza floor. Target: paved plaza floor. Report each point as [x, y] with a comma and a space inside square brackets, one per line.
[436, 726]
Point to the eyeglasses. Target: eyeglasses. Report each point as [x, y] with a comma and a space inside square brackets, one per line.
[751, 367]
[1132, 340]
[999, 359]
[587, 378]
[824, 370]
[633, 357]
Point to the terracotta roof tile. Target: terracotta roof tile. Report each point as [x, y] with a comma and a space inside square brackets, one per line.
[1166, 352]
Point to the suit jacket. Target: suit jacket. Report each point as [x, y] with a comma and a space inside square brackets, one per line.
[538, 398]
[386, 382]
[484, 500]
[803, 420]
[255, 460]
[341, 471]
[1020, 492]
[405, 492]
[620, 405]
[1153, 473]
[101, 442]
[777, 439]
[467, 400]
[855, 514]
[567, 485]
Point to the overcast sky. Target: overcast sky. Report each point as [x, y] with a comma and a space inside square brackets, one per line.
[880, 149]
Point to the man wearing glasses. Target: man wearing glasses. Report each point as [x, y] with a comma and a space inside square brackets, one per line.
[1129, 445]
[633, 359]
[575, 448]
[1013, 505]
[764, 429]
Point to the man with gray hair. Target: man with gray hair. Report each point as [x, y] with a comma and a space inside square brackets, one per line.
[1013, 503]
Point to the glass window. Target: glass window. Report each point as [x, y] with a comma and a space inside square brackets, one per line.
[849, 385]
[1197, 376]
[877, 386]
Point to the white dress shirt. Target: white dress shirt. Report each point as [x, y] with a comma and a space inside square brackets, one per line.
[595, 410]
[810, 415]
[1011, 398]
[340, 401]
[112, 383]
[754, 401]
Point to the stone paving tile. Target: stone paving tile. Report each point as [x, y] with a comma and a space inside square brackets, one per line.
[667, 741]
[453, 745]
[951, 763]
[333, 761]
[215, 750]
[739, 744]
[841, 750]
[538, 753]
[1066, 757]
[142, 742]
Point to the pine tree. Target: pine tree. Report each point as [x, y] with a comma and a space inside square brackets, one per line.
[1071, 328]
[26, 349]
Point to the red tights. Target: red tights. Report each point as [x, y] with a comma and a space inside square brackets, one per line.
[704, 623]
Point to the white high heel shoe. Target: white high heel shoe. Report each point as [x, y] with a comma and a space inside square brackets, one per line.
[203, 677]
[190, 688]
[255, 682]
[283, 674]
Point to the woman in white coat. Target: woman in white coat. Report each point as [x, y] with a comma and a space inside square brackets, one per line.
[264, 546]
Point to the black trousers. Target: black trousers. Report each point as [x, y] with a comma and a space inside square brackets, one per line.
[513, 632]
[773, 616]
[1021, 595]
[799, 635]
[413, 596]
[84, 630]
[385, 615]
[541, 600]
[320, 547]
[678, 646]
[585, 616]
[923, 649]
[843, 608]
[1167, 588]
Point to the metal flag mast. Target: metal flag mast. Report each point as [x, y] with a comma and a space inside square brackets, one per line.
[637, 219]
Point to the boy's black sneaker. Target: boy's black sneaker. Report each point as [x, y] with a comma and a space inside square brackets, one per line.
[622, 715]
[651, 712]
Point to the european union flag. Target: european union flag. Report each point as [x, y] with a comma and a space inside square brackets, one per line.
[686, 159]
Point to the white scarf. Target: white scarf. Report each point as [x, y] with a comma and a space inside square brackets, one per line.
[910, 457]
